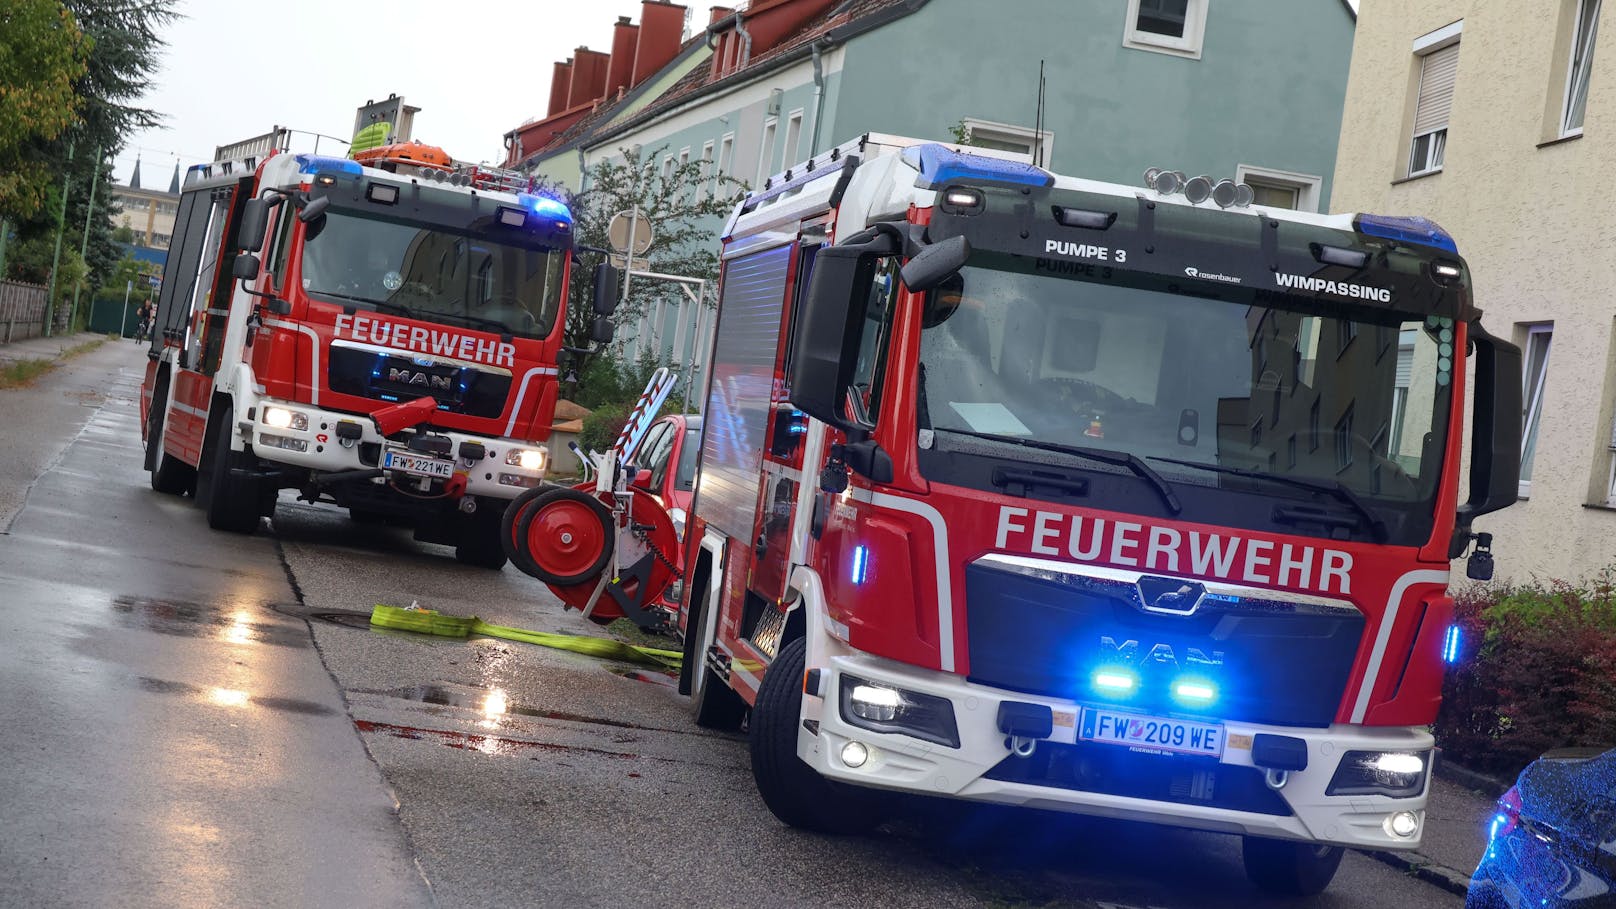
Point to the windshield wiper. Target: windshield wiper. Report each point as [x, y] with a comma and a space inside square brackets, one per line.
[399, 308]
[1341, 491]
[1104, 455]
[494, 324]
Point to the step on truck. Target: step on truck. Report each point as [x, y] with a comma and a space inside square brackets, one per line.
[1132, 501]
[382, 336]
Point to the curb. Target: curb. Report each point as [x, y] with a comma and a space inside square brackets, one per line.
[1423, 868]
[1470, 779]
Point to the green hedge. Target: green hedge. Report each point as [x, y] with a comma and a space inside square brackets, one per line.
[1536, 670]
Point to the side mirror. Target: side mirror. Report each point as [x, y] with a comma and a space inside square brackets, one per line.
[601, 331]
[642, 479]
[830, 324]
[1495, 444]
[245, 267]
[608, 288]
[254, 224]
[935, 264]
[313, 209]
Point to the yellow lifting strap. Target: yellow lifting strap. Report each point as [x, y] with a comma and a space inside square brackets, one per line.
[429, 621]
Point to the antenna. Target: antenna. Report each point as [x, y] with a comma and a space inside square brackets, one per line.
[1038, 120]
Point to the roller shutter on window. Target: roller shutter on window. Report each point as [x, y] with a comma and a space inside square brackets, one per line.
[1437, 72]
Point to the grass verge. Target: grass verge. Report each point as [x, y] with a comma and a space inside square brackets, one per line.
[22, 373]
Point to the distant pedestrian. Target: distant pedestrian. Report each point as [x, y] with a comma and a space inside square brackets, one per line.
[147, 313]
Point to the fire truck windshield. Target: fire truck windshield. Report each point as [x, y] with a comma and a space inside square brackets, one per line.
[1245, 396]
[434, 274]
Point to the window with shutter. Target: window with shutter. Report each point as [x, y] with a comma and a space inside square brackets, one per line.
[1437, 71]
[1582, 61]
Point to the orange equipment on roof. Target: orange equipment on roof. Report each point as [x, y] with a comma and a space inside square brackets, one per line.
[414, 153]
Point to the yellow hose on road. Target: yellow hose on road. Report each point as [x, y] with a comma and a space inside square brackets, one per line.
[430, 621]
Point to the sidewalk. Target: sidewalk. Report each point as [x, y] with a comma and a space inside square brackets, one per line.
[47, 348]
[1455, 834]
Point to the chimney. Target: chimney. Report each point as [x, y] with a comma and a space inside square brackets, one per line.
[715, 13]
[560, 84]
[588, 76]
[662, 26]
[625, 37]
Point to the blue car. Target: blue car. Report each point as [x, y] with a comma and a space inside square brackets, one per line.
[1553, 839]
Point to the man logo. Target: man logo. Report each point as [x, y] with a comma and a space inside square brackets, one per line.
[1130, 652]
[1170, 595]
[423, 379]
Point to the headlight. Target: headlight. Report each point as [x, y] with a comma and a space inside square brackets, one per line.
[526, 458]
[1397, 774]
[881, 708]
[281, 418]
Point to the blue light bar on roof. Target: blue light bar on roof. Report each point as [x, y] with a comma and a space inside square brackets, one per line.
[545, 207]
[939, 165]
[1423, 231]
[325, 164]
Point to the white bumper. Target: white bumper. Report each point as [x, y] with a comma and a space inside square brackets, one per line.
[901, 762]
[319, 448]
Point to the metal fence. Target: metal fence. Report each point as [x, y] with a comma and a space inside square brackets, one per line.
[22, 311]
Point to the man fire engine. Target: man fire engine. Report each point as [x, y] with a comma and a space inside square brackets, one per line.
[1035, 490]
[394, 351]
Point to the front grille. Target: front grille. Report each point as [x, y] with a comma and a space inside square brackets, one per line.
[395, 376]
[1272, 661]
[1113, 770]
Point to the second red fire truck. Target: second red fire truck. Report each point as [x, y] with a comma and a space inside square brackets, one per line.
[381, 336]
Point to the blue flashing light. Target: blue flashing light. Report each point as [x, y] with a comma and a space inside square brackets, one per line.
[545, 207]
[325, 164]
[1198, 692]
[939, 165]
[1422, 231]
[861, 564]
[1115, 681]
[1450, 644]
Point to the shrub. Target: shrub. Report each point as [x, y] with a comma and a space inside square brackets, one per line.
[1537, 671]
[602, 427]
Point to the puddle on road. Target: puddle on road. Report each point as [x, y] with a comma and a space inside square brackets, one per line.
[226, 622]
[493, 704]
[650, 677]
[232, 697]
[493, 744]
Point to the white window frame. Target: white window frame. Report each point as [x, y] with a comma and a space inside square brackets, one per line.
[793, 138]
[1610, 485]
[1435, 149]
[708, 171]
[1188, 46]
[726, 159]
[684, 159]
[1308, 186]
[1042, 143]
[1532, 393]
[771, 134]
[1566, 129]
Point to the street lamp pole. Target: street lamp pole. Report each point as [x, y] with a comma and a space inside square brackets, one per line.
[84, 247]
[61, 227]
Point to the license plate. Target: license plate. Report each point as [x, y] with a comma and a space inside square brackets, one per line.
[421, 467]
[1152, 733]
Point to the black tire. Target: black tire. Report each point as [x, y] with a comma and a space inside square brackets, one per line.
[576, 504]
[233, 504]
[713, 704]
[169, 475]
[792, 790]
[479, 544]
[1289, 867]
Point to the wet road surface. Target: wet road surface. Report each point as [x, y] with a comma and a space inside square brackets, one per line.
[170, 703]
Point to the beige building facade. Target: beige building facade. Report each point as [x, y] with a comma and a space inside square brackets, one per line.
[149, 213]
[1497, 120]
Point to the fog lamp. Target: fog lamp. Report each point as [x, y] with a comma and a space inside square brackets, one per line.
[1403, 824]
[854, 754]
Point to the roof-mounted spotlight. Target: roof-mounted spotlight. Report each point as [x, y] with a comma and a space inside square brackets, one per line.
[1243, 195]
[1224, 193]
[1198, 189]
[1168, 182]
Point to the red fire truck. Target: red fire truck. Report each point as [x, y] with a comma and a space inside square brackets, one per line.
[1125, 501]
[393, 352]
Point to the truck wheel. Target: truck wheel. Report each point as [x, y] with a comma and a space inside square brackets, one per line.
[479, 545]
[792, 790]
[231, 503]
[169, 474]
[1288, 867]
[713, 704]
[567, 537]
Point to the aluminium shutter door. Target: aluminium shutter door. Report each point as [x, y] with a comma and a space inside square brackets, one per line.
[1437, 72]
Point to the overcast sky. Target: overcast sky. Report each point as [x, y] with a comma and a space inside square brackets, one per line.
[476, 68]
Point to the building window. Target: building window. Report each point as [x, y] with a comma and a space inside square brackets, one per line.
[1438, 53]
[1582, 64]
[1166, 26]
[708, 174]
[771, 127]
[684, 176]
[726, 159]
[1279, 188]
[793, 138]
[1343, 440]
[1537, 369]
[1021, 140]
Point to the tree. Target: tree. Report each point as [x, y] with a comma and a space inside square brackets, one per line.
[43, 56]
[683, 202]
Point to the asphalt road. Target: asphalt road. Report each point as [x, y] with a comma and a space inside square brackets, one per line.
[203, 719]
